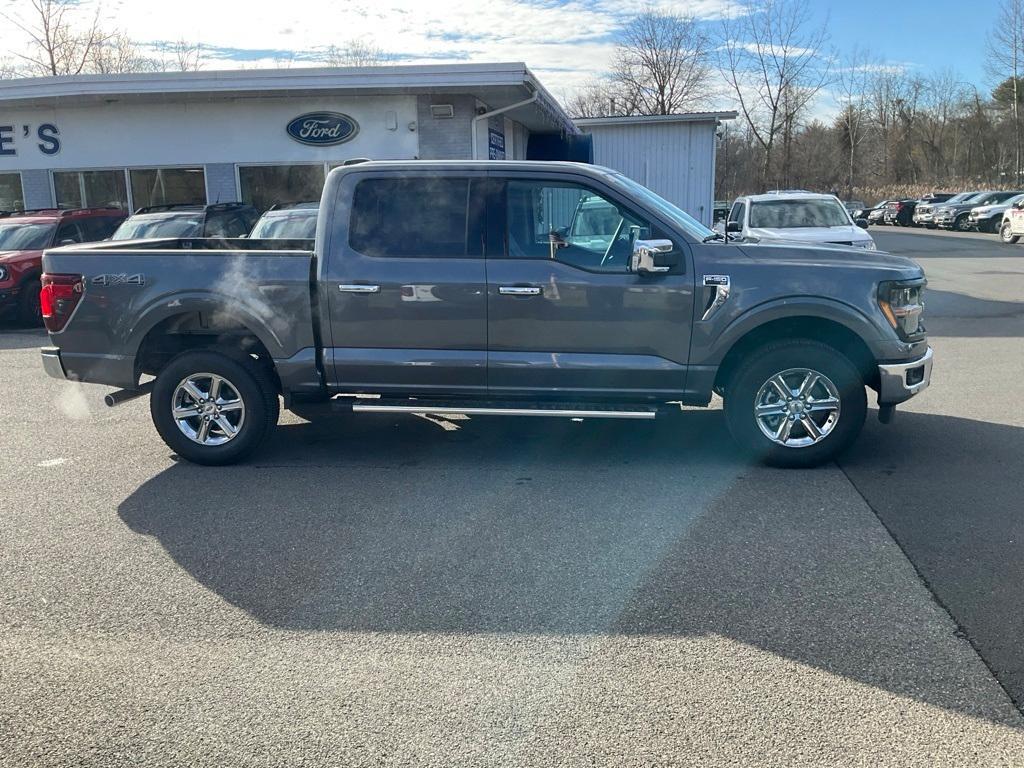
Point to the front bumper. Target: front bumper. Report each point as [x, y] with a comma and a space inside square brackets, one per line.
[898, 382]
[52, 363]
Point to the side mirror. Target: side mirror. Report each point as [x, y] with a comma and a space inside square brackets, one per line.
[734, 226]
[644, 252]
[862, 223]
[1019, 204]
[68, 241]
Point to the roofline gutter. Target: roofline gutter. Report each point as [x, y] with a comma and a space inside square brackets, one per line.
[493, 112]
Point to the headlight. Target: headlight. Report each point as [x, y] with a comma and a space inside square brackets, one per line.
[3, 273]
[870, 245]
[902, 303]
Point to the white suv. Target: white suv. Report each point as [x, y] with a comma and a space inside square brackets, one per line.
[796, 217]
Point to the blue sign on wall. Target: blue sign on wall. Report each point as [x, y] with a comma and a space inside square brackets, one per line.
[495, 144]
[323, 129]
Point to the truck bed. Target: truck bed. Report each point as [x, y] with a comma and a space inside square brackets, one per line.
[265, 288]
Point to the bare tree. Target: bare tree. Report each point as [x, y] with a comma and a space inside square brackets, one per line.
[1005, 60]
[775, 65]
[853, 80]
[598, 98]
[116, 52]
[355, 53]
[661, 64]
[186, 56]
[60, 45]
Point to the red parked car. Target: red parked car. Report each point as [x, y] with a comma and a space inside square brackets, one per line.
[24, 235]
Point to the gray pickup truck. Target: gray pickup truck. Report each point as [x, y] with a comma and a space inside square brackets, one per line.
[491, 288]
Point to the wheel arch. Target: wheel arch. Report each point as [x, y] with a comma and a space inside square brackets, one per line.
[845, 337]
[199, 326]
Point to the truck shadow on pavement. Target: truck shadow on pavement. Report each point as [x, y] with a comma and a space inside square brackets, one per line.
[384, 524]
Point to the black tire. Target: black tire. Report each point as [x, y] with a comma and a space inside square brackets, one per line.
[251, 379]
[1005, 236]
[961, 223]
[774, 358]
[29, 311]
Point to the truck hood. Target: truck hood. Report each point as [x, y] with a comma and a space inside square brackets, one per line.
[990, 210]
[812, 235]
[7, 257]
[898, 267]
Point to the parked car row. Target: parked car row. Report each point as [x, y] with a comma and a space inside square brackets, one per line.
[978, 211]
[24, 235]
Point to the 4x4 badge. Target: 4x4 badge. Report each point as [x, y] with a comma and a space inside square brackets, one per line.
[136, 279]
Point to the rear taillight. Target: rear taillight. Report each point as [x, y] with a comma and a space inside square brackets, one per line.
[58, 298]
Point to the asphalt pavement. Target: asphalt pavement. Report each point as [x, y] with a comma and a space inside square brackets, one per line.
[381, 590]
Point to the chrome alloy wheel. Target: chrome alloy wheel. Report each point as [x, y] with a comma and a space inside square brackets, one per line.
[208, 409]
[797, 407]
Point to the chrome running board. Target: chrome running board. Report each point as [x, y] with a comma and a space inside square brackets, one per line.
[446, 410]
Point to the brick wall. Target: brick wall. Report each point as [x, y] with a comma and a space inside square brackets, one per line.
[220, 183]
[35, 185]
[445, 139]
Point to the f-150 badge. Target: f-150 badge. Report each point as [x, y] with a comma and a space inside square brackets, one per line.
[722, 285]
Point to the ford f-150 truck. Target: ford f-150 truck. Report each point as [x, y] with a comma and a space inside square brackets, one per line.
[491, 288]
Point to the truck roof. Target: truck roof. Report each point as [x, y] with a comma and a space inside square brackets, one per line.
[478, 165]
[789, 195]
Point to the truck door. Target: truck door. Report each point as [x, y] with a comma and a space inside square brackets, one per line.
[405, 284]
[567, 316]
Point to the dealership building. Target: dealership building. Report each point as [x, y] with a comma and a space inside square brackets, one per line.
[267, 136]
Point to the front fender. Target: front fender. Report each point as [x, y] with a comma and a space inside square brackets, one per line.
[711, 345]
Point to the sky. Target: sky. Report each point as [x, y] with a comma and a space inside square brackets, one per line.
[566, 42]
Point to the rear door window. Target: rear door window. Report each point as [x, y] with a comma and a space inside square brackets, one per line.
[413, 217]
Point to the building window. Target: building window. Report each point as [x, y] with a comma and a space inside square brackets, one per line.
[162, 186]
[11, 198]
[90, 189]
[266, 185]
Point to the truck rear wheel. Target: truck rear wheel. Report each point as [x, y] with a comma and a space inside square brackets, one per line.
[795, 403]
[214, 408]
[1006, 234]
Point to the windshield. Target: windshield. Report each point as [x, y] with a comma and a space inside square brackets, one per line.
[174, 225]
[996, 198]
[290, 226]
[794, 214]
[23, 236]
[662, 206]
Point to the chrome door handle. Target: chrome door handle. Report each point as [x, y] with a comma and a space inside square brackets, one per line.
[353, 288]
[519, 290]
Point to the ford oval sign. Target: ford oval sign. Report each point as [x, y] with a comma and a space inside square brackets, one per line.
[323, 129]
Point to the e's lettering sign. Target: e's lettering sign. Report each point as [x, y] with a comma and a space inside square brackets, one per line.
[46, 137]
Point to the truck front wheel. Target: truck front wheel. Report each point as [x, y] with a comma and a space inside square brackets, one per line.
[214, 408]
[795, 403]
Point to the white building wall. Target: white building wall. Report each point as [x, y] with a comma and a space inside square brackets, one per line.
[674, 159]
[196, 133]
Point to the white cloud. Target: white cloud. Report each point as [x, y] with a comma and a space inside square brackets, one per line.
[566, 43]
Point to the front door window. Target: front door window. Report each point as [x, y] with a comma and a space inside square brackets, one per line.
[571, 224]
